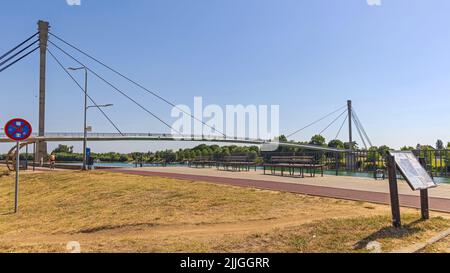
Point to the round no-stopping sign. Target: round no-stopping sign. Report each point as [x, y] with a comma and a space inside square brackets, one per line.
[18, 129]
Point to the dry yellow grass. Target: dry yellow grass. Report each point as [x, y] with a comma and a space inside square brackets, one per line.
[109, 212]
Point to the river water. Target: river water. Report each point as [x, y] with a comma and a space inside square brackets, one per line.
[440, 180]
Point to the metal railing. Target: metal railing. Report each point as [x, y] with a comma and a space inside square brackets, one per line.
[438, 161]
[68, 136]
[144, 135]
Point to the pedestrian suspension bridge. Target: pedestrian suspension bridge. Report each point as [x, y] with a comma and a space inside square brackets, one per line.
[52, 45]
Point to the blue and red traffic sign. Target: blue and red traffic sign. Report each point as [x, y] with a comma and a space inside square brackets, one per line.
[18, 129]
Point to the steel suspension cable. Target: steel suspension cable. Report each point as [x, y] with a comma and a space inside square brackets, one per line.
[317, 121]
[18, 53]
[21, 44]
[82, 89]
[356, 121]
[329, 125]
[18, 60]
[362, 127]
[135, 83]
[342, 126]
[115, 88]
[359, 132]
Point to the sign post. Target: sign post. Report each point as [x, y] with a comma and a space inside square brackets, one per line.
[417, 177]
[393, 190]
[424, 204]
[16, 196]
[17, 130]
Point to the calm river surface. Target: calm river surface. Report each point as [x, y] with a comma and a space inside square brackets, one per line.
[441, 180]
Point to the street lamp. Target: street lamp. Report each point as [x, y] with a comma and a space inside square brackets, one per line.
[89, 128]
[86, 107]
[100, 106]
[85, 112]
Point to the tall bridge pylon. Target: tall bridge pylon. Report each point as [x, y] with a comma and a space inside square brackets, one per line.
[43, 28]
[350, 116]
[350, 127]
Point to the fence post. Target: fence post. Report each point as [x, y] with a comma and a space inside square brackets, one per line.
[336, 160]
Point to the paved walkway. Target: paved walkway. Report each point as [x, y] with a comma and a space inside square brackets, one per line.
[342, 187]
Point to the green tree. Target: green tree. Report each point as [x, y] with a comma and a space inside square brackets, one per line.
[439, 144]
[226, 151]
[383, 150]
[318, 140]
[354, 145]
[373, 154]
[426, 148]
[63, 149]
[336, 143]
[282, 138]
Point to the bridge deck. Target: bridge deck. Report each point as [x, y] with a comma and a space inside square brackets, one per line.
[98, 137]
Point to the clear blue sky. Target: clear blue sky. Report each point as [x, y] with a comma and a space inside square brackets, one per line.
[309, 57]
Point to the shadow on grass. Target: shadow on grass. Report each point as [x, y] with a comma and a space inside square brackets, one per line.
[390, 233]
[115, 227]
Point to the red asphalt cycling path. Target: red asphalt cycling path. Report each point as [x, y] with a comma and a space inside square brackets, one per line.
[436, 204]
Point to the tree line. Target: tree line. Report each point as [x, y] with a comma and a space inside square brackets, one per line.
[66, 153]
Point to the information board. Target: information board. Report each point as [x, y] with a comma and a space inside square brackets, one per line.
[411, 169]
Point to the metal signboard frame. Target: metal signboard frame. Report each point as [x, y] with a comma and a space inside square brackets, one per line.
[415, 173]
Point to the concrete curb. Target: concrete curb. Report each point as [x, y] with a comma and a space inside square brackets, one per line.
[420, 246]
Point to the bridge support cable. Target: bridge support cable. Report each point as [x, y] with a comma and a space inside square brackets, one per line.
[359, 124]
[18, 46]
[19, 59]
[362, 128]
[317, 121]
[115, 88]
[18, 53]
[82, 89]
[334, 121]
[359, 132]
[136, 83]
[340, 128]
